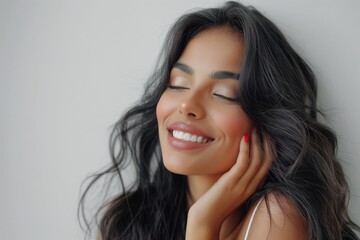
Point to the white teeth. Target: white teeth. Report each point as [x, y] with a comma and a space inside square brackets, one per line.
[189, 137]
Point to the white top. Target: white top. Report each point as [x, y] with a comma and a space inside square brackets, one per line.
[252, 219]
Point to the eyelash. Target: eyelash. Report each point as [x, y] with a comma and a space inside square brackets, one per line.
[227, 98]
[176, 87]
[217, 95]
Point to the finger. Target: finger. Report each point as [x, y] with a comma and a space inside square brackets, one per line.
[268, 157]
[259, 165]
[243, 160]
[256, 157]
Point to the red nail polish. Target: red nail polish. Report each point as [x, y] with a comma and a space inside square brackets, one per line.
[246, 138]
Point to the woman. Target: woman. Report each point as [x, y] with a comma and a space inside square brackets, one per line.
[225, 141]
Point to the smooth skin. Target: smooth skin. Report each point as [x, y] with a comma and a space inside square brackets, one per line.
[197, 96]
[227, 171]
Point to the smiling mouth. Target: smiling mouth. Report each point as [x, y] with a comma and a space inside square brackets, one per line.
[185, 136]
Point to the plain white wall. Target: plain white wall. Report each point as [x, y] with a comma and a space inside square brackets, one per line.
[68, 69]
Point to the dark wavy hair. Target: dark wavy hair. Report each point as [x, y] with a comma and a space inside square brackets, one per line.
[278, 92]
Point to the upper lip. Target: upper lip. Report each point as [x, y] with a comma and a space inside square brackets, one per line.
[180, 126]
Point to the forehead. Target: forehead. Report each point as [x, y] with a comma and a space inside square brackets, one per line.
[219, 48]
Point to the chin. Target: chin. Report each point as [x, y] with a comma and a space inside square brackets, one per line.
[177, 168]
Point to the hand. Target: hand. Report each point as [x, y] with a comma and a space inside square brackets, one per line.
[231, 190]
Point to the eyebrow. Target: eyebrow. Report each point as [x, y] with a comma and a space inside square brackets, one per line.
[214, 75]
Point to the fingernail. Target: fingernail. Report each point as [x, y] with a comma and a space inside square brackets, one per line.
[246, 138]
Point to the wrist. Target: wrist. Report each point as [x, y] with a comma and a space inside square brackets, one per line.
[199, 226]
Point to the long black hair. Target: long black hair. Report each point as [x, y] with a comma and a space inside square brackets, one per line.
[278, 92]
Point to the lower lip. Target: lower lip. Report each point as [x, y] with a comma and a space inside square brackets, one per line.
[182, 144]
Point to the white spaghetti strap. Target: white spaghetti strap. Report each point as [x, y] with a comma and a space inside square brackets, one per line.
[252, 219]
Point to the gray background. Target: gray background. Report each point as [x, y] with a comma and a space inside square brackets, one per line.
[68, 69]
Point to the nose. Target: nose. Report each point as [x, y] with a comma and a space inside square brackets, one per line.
[192, 108]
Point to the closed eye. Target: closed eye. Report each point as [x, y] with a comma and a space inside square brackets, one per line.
[176, 87]
[227, 98]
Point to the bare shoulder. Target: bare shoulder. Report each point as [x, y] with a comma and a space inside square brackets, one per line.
[275, 218]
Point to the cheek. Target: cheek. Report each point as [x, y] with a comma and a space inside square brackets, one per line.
[164, 107]
[234, 124]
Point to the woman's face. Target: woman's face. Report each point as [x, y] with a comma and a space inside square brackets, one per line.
[200, 123]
